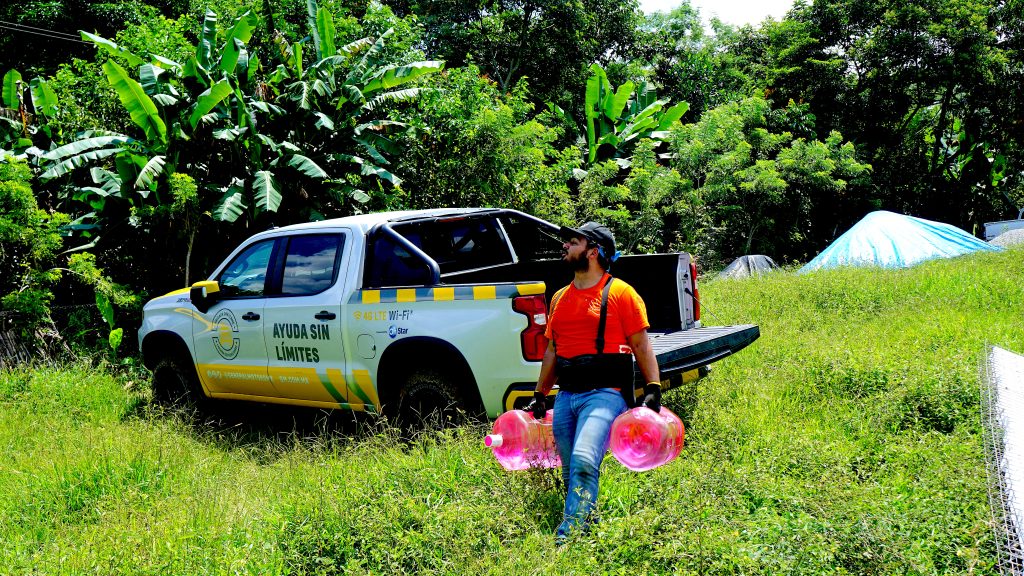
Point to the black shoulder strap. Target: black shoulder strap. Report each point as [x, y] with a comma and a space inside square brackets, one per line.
[604, 315]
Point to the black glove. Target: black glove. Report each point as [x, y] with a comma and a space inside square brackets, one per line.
[652, 396]
[539, 405]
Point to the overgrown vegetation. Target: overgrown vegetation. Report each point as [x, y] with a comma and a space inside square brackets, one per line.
[845, 440]
[180, 127]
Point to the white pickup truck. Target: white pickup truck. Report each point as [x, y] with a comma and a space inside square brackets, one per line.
[404, 312]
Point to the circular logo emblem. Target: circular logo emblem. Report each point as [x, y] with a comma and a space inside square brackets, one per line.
[392, 331]
[224, 340]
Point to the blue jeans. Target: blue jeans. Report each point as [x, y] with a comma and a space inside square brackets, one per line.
[582, 427]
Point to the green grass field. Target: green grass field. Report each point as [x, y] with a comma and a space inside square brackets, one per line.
[847, 439]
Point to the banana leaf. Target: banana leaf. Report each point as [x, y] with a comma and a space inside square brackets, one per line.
[299, 92]
[325, 26]
[306, 166]
[323, 121]
[44, 100]
[391, 76]
[672, 115]
[371, 151]
[405, 95]
[230, 206]
[204, 50]
[141, 108]
[79, 146]
[229, 134]
[237, 37]
[152, 169]
[11, 82]
[377, 126]
[613, 106]
[166, 63]
[78, 161]
[107, 180]
[112, 48]
[268, 108]
[209, 100]
[642, 118]
[267, 191]
[149, 77]
[164, 100]
[357, 46]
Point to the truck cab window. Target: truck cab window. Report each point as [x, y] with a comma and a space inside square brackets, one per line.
[460, 244]
[530, 241]
[310, 264]
[390, 264]
[246, 275]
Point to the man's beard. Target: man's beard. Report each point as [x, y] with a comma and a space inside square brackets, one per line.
[577, 264]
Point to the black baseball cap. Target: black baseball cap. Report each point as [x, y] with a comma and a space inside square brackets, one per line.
[598, 234]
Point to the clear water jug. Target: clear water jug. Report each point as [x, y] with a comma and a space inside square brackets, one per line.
[520, 441]
[643, 439]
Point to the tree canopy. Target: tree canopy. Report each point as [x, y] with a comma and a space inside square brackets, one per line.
[158, 125]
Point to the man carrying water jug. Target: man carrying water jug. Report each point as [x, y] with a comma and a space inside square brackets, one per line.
[596, 325]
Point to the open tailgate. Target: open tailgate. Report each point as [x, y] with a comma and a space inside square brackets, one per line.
[686, 350]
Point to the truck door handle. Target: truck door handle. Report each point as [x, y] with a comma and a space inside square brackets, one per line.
[250, 316]
[325, 315]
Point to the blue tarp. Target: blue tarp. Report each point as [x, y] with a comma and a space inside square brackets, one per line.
[891, 240]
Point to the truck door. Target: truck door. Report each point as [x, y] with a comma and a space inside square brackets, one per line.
[303, 320]
[231, 355]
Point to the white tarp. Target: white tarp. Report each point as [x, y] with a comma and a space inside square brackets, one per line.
[889, 240]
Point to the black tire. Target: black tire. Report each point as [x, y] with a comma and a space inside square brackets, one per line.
[176, 384]
[429, 398]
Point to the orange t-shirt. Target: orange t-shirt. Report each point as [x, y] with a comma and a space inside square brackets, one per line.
[573, 322]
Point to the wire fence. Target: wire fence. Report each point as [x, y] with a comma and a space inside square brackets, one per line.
[50, 342]
[1002, 402]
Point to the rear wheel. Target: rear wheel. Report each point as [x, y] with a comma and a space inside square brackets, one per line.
[176, 384]
[430, 398]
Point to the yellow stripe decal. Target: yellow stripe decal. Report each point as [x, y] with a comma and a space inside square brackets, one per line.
[210, 326]
[447, 293]
[483, 292]
[248, 380]
[366, 387]
[531, 289]
[444, 294]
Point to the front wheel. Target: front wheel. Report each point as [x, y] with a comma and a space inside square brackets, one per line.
[176, 384]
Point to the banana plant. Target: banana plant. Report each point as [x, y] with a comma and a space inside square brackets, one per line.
[26, 110]
[337, 102]
[616, 119]
[189, 114]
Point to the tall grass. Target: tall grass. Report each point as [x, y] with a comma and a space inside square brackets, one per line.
[846, 440]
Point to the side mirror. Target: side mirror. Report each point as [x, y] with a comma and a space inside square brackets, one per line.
[203, 294]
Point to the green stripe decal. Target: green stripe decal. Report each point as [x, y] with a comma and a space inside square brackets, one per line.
[357, 391]
[326, 381]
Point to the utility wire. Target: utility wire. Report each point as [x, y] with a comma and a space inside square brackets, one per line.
[52, 34]
[73, 36]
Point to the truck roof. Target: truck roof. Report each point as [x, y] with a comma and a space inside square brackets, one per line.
[364, 222]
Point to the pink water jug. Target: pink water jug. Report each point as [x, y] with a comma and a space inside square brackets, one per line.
[643, 439]
[520, 441]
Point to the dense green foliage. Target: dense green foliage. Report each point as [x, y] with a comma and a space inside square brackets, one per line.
[845, 440]
[180, 127]
[29, 243]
